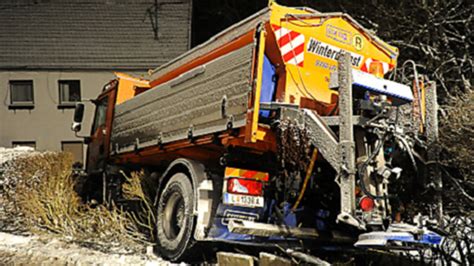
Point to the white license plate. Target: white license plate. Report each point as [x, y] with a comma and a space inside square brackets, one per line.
[243, 200]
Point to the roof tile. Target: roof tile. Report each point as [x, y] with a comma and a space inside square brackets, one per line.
[91, 34]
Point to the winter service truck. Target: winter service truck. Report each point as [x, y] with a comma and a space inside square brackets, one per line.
[282, 128]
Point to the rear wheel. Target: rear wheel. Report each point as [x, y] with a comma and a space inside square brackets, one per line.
[175, 220]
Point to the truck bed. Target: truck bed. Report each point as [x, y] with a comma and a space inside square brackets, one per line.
[199, 102]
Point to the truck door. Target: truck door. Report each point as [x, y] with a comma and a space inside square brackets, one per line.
[98, 148]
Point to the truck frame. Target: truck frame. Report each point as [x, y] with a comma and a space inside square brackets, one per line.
[279, 129]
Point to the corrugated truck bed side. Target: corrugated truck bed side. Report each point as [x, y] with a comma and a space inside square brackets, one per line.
[192, 102]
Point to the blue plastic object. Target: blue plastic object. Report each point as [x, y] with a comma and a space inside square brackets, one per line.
[410, 235]
[428, 238]
[268, 84]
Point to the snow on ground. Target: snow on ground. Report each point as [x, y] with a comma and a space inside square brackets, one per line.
[33, 250]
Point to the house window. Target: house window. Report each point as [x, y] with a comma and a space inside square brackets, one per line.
[75, 148]
[69, 93]
[21, 94]
[31, 144]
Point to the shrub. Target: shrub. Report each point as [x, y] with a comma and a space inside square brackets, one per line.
[44, 200]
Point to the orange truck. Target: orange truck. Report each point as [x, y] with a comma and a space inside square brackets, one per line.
[279, 129]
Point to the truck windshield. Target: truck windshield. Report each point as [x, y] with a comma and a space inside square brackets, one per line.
[100, 114]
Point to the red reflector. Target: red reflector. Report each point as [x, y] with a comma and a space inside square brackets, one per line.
[244, 186]
[366, 204]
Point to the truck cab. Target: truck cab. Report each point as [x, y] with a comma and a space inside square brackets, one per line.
[99, 145]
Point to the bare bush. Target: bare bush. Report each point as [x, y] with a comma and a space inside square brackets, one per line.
[457, 157]
[457, 133]
[457, 248]
[44, 199]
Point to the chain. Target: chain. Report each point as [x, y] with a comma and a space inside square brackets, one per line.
[293, 155]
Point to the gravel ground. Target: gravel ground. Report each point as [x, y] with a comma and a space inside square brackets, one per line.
[34, 250]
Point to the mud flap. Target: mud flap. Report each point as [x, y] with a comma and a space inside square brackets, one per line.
[399, 236]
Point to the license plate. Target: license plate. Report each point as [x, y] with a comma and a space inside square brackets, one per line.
[243, 200]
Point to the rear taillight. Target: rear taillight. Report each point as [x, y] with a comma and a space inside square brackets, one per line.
[244, 186]
[366, 204]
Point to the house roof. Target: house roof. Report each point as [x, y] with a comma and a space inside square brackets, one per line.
[92, 34]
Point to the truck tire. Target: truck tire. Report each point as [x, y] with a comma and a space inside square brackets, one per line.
[175, 219]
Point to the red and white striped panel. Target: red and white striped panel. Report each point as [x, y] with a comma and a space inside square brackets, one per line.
[291, 45]
[366, 66]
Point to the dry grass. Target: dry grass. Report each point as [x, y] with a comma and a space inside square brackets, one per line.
[132, 189]
[44, 199]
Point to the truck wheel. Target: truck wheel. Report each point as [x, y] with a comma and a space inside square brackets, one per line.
[175, 220]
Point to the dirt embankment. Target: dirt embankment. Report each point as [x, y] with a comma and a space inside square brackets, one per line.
[34, 250]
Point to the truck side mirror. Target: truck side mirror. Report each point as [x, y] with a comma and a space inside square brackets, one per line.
[78, 116]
